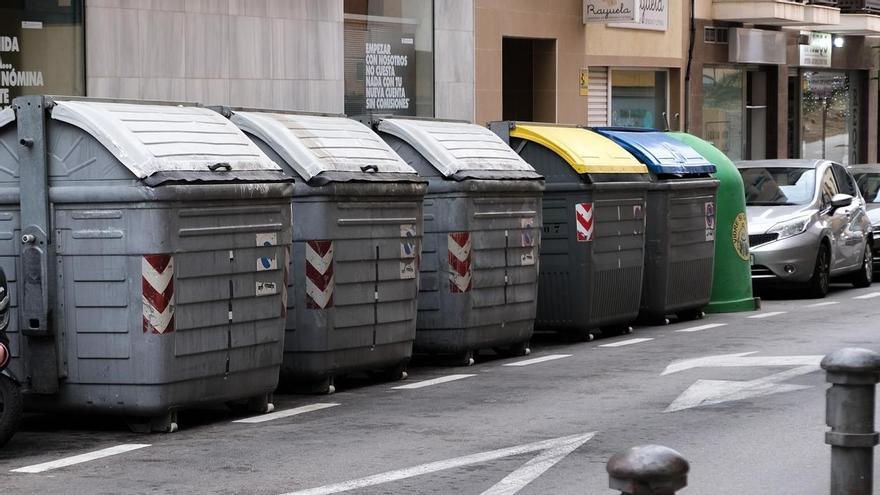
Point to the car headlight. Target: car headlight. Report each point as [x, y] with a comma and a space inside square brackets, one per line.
[791, 227]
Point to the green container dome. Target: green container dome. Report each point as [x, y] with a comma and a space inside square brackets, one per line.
[732, 282]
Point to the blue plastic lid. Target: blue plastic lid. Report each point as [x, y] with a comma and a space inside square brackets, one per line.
[661, 153]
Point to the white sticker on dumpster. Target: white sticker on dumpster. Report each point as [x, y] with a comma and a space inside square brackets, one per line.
[709, 208]
[266, 263]
[583, 213]
[408, 251]
[266, 289]
[527, 240]
[268, 239]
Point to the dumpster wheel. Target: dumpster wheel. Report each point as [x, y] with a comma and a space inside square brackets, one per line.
[465, 358]
[165, 423]
[515, 350]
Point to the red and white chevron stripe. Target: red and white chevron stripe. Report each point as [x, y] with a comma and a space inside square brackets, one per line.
[157, 284]
[583, 213]
[319, 274]
[459, 246]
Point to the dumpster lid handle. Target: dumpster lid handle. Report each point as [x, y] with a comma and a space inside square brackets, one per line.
[218, 166]
[370, 168]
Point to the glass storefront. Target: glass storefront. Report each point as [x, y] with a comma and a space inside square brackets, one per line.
[723, 93]
[638, 98]
[389, 57]
[41, 48]
[828, 116]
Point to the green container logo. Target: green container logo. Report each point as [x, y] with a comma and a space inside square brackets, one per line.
[740, 236]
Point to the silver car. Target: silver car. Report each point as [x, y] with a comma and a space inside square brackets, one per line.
[868, 181]
[807, 224]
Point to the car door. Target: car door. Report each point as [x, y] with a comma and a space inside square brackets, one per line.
[854, 234]
[834, 220]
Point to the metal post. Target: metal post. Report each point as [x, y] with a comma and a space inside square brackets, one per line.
[849, 409]
[647, 470]
[36, 274]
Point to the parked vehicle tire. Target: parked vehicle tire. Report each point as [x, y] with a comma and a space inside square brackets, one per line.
[10, 409]
[819, 284]
[865, 275]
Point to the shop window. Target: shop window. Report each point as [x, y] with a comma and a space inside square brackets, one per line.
[827, 116]
[723, 109]
[638, 98]
[389, 57]
[41, 48]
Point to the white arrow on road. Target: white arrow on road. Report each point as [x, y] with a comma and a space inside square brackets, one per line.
[550, 452]
[709, 392]
[743, 359]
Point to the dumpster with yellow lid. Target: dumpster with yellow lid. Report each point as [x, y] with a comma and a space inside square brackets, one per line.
[593, 242]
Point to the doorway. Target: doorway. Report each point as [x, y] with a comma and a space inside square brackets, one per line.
[528, 79]
[757, 103]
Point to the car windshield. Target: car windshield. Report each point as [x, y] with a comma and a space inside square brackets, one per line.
[778, 185]
[869, 185]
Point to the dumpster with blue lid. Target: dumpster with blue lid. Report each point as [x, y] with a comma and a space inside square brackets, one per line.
[356, 239]
[592, 250]
[479, 271]
[680, 239]
[144, 245]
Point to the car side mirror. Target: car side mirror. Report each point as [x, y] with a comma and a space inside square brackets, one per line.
[841, 201]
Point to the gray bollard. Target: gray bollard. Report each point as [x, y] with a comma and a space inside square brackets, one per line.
[849, 411]
[647, 470]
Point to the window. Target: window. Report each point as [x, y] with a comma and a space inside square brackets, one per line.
[827, 116]
[869, 185]
[767, 186]
[829, 187]
[41, 48]
[723, 109]
[389, 57]
[844, 181]
[638, 98]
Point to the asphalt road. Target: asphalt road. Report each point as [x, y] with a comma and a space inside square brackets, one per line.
[542, 428]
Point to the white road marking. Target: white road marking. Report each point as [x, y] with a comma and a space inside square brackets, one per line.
[434, 381]
[742, 359]
[871, 295]
[286, 413]
[820, 304]
[709, 392]
[702, 327]
[626, 342]
[556, 446]
[532, 470]
[79, 459]
[542, 359]
[767, 315]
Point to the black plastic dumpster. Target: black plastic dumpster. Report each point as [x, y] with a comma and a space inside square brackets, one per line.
[143, 245]
[356, 241]
[592, 251]
[680, 242]
[482, 234]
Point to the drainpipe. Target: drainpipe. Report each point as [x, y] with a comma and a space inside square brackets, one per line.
[687, 73]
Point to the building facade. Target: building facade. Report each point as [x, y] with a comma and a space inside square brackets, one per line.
[336, 56]
[759, 78]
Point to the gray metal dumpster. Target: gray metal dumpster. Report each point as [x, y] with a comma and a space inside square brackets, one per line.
[482, 234]
[593, 245]
[680, 240]
[357, 236]
[145, 246]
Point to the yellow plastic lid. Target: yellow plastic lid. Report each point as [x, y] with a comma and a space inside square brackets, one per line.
[586, 151]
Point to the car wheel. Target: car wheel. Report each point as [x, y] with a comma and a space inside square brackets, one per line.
[865, 275]
[819, 283]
